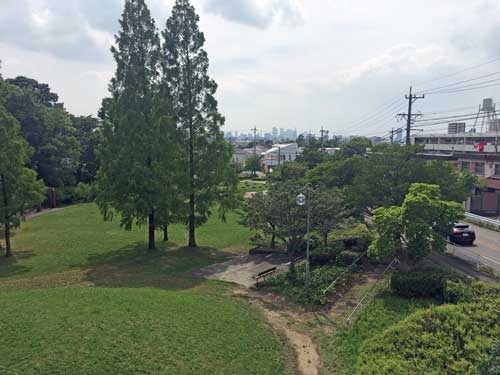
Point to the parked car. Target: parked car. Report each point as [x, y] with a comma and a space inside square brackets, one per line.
[462, 234]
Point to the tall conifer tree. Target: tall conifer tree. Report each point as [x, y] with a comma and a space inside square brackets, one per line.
[135, 174]
[206, 155]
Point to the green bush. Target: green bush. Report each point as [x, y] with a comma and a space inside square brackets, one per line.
[346, 258]
[355, 235]
[462, 291]
[491, 366]
[449, 339]
[326, 254]
[427, 283]
[292, 286]
[84, 193]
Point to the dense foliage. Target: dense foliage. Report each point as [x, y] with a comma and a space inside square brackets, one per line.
[383, 176]
[189, 92]
[450, 339]
[321, 278]
[417, 227]
[425, 283]
[19, 187]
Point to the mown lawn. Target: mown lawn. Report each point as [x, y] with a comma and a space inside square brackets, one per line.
[77, 237]
[82, 296]
[133, 331]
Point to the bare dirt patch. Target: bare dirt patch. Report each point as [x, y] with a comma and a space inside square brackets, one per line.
[282, 317]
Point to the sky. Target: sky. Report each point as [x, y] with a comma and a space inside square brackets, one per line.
[344, 65]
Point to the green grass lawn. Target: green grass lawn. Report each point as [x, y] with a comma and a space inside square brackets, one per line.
[133, 331]
[249, 186]
[385, 310]
[83, 296]
[77, 237]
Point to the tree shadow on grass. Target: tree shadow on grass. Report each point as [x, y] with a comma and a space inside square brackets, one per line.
[134, 266]
[10, 267]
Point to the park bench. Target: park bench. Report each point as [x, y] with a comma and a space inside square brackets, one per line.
[262, 275]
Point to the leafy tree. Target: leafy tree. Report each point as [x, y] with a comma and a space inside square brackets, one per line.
[253, 164]
[136, 172]
[20, 189]
[261, 213]
[355, 146]
[337, 173]
[88, 132]
[417, 227]
[42, 90]
[329, 208]
[206, 155]
[49, 132]
[312, 156]
[289, 172]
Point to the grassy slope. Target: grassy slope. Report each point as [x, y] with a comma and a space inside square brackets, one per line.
[126, 310]
[78, 237]
[132, 331]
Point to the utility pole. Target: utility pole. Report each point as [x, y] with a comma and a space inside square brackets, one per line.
[409, 116]
[255, 130]
[392, 135]
[323, 132]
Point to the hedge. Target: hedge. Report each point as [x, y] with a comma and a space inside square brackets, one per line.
[428, 283]
[463, 291]
[491, 366]
[450, 339]
[346, 258]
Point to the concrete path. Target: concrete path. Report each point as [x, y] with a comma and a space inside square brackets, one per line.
[242, 269]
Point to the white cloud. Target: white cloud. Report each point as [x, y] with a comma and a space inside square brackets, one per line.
[296, 63]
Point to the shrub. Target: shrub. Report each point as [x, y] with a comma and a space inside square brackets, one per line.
[346, 258]
[449, 339]
[492, 365]
[428, 283]
[355, 235]
[326, 254]
[461, 291]
[84, 193]
[293, 287]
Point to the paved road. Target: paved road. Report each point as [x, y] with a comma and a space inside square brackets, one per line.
[486, 249]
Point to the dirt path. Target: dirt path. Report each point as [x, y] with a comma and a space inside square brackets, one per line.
[242, 269]
[31, 215]
[281, 317]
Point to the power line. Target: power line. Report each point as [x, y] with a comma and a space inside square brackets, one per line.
[461, 82]
[375, 116]
[462, 90]
[460, 71]
[445, 118]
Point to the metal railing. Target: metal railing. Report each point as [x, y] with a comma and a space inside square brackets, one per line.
[480, 262]
[483, 220]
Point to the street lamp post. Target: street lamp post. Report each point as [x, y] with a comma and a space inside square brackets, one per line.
[301, 201]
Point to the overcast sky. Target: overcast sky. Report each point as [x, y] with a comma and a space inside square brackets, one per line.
[298, 64]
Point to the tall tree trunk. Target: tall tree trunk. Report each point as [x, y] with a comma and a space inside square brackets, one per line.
[192, 203]
[192, 222]
[165, 232]
[151, 242]
[325, 239]
[8, 251]
[273, 237]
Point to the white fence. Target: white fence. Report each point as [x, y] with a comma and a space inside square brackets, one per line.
[483, 221]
